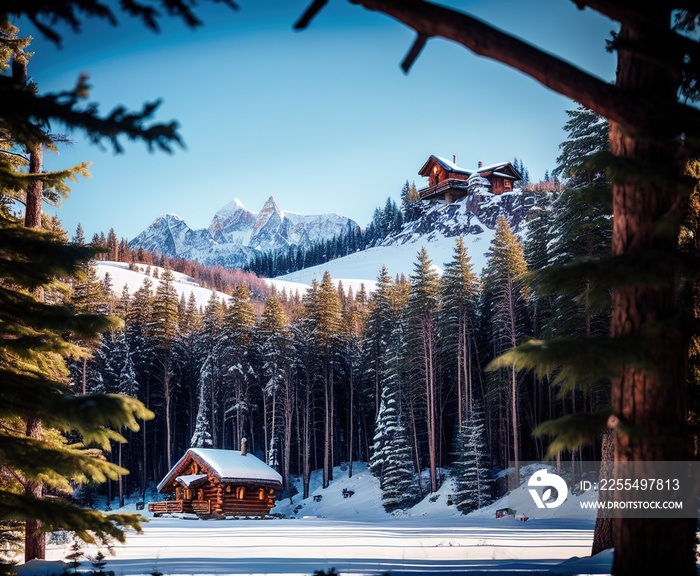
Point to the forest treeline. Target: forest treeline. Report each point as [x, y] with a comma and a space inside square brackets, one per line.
[399, 378]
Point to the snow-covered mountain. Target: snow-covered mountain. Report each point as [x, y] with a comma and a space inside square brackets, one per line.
[236, 234]
[472, 218]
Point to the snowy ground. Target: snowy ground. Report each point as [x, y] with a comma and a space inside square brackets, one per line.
[355, 536]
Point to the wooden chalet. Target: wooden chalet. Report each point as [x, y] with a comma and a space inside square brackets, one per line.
[218, 483]
[448, 182]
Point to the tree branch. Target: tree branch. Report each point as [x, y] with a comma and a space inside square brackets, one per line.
[429, 19]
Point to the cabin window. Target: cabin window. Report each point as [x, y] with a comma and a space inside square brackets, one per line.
[240, 492]
[261, 494]
[228, 489]
[506, 185]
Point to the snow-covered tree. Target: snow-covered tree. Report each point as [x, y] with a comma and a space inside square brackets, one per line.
[422, 338]
[472, 463]
[392, 455]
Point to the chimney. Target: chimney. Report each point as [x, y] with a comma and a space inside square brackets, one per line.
[454, 159]
[480, 164]
[244, 448]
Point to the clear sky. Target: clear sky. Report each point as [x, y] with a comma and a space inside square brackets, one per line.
[324, 119]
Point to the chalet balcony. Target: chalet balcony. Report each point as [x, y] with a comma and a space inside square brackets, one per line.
[455, 187]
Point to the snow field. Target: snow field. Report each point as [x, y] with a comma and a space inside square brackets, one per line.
[355, 535]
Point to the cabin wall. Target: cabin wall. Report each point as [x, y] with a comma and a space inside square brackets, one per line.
[235, 500]
[255, 501]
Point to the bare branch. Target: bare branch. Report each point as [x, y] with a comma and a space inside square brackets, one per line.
[309, 14]
[415, 51]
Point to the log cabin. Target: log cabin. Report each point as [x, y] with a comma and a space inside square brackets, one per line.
[218, 483]
[448, 182]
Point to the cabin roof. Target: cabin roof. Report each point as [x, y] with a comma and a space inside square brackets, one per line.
[190, 479]
[227, 465]
[452, 167]
[446, 164]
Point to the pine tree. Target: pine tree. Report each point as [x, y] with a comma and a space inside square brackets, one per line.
[79, 237]
[376, 337]
[423, 308]
[32, 360]
[472, 464]
[163, 329]
[209, 385]
[460, 287]
[410, 202]
[233, 350]
[504, 296]
[275, 351]
[391, 459]
[326, 314]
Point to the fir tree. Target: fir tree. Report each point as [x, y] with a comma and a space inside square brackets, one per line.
[392, 459]
[472, 464]
[460, 287]
[326, 315]
[233, 352]
[423, 308]
[32, 359]
[504, 297]
[275, 351]
[163, 329]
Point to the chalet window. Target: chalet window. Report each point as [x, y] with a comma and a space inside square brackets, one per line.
[506, 185]
[240, 492]
[262, 495]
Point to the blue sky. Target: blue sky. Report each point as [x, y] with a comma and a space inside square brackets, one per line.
[324, 119]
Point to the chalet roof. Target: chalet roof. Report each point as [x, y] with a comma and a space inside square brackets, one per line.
[446, 164]
[452, 167]
[227, 465]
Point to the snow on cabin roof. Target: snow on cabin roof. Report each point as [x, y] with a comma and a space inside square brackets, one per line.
[493, 166]
[451, 166]
[231, 464]
[504, 175]
[228, 465]
[190, 479]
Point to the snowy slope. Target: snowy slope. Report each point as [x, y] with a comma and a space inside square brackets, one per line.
[472, 218]
[399, 256]
[133, 280]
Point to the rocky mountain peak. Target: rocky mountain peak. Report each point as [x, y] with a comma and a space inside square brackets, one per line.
[235, 233]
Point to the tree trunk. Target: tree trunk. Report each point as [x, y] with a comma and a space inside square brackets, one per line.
[514, 380]
[351, 431]
[168, 400]
[307, 439]
[34, 538]
[646, 217]
[603, 532]
[429, 368]
[34, 192]
[327, 424]
[121, 478]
